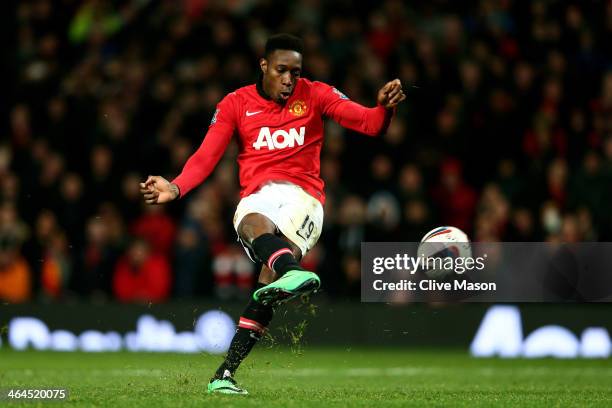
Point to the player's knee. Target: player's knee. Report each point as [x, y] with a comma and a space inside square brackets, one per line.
[254, 225]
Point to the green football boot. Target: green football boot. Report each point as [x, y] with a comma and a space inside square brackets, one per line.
[225, 385]
[291, 285]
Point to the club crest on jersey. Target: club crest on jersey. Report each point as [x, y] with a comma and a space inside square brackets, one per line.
[298, 108]
[279, 139]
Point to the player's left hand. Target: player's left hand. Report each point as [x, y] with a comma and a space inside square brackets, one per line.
[391, 94]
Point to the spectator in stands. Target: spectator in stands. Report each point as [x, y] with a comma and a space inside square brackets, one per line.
[15, 275]
[455, 199]
[56, 269]
[142, 275]
[157, 228]
[98, 257]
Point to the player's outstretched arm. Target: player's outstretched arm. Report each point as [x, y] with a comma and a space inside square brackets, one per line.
[158, 190]
[391, 94]
[351, 115]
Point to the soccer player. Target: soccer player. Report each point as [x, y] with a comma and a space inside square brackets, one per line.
[279, 125]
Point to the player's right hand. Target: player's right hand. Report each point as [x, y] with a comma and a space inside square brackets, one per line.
[158, 190]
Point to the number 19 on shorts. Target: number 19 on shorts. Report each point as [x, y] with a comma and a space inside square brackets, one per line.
[306, 229]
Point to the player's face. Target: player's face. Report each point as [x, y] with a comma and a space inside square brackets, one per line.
[281, 71]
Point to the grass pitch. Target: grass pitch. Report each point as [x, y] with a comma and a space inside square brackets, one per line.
[319, 378]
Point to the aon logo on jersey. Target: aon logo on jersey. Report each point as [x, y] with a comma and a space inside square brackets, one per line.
[279, 139]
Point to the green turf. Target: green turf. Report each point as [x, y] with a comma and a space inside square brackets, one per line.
[318, 378]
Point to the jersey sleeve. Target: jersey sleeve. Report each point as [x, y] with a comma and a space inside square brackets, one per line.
[334, 104]
[199, 166]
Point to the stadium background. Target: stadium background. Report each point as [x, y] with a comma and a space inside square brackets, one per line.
[506, 133]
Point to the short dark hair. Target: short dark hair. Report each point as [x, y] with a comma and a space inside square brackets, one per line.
[284, 41]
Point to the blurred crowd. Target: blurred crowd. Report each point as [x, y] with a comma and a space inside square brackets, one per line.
[506, 133]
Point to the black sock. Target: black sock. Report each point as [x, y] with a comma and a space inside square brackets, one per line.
[251, 327]
[275, 253]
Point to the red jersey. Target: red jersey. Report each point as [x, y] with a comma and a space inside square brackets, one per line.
[278, 142]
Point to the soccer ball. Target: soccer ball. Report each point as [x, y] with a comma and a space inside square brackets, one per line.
[444, 244]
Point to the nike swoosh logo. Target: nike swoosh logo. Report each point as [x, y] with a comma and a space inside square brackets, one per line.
[252, 113]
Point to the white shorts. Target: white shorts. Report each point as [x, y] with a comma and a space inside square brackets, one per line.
[296, 214]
